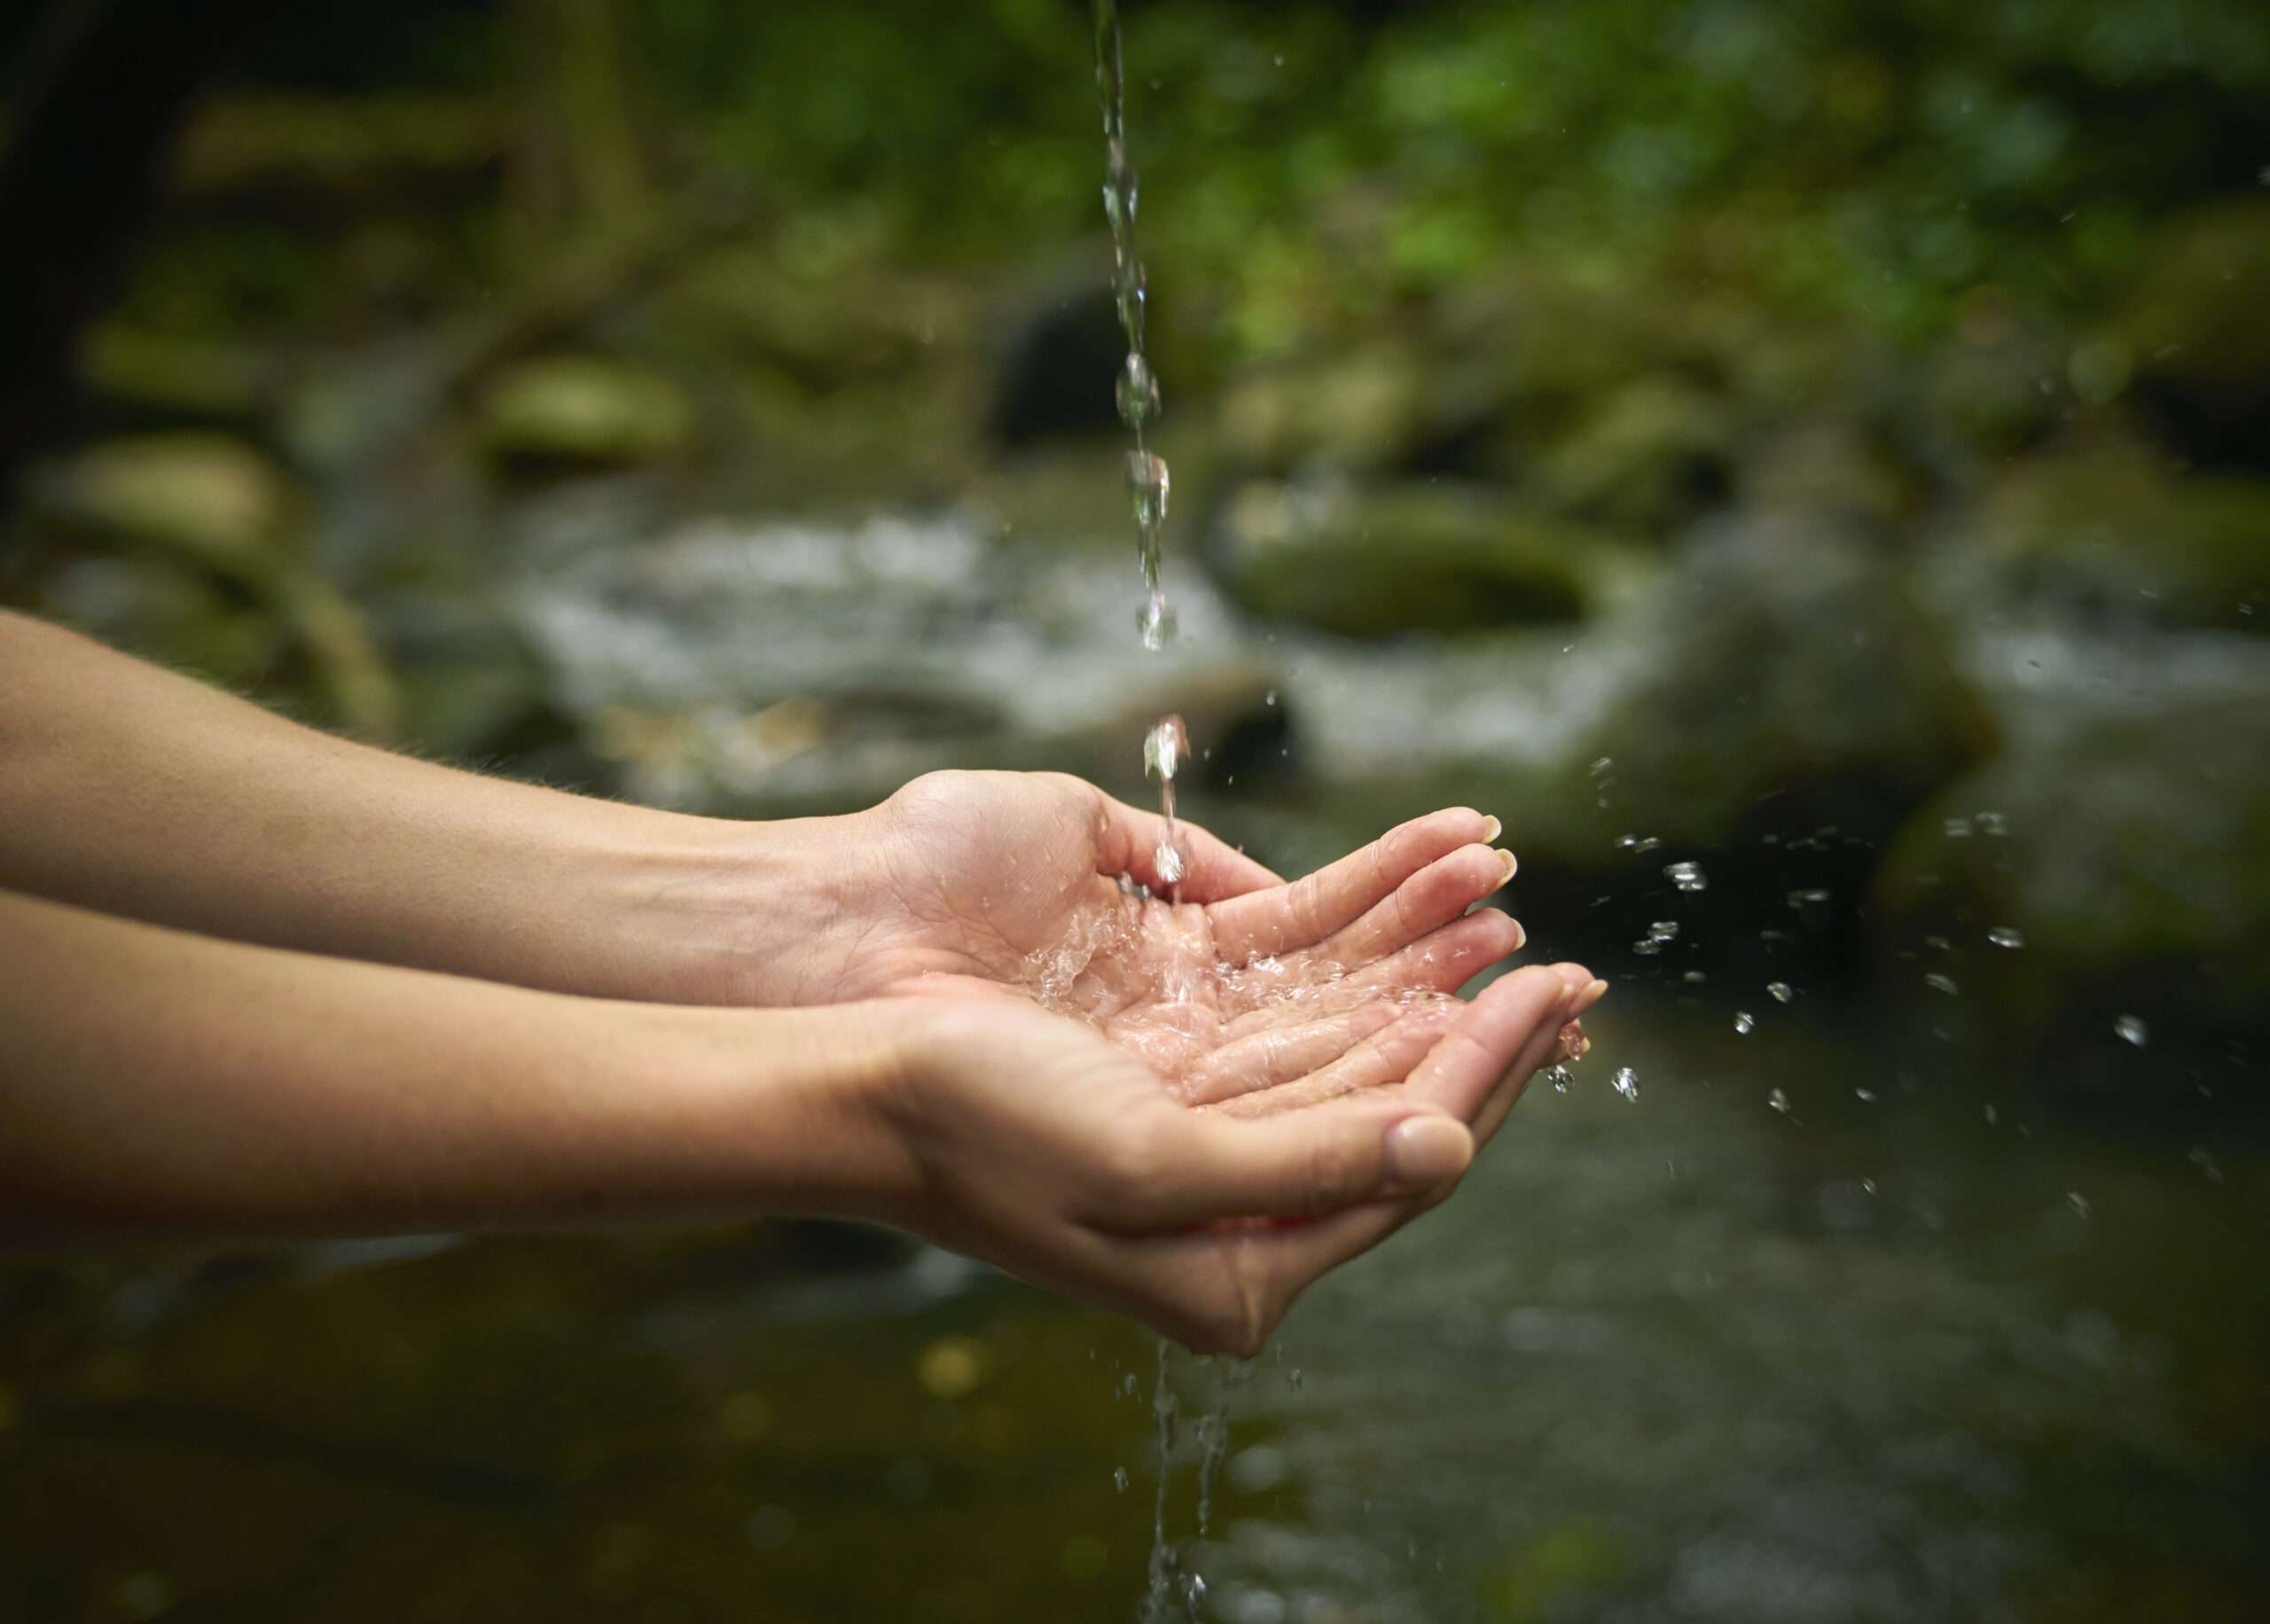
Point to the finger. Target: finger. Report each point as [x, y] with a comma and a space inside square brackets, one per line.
[1281, 919]
[1535, 1055]
[1446, 959]
[1210, 1166]
[1459, 1074]
[1211, 870]
[1430, 899]
[1281, 1054]
[1387, 1057]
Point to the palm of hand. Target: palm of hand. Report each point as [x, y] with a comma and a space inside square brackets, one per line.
[1243, 988]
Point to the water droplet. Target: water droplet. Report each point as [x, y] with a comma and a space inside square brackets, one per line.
[1686, 876]
[1798, 898]
[1626, 1083]
[2205, 1160]
[1292, 1379]
[1648, 947]
[1138, 393]
[1560, 1077]
[1119, 1479]
[1168, 861]
[1867, 1096]
[1992, 822]
[1193, 1596]
[1148, 483]
[1781, 990]
[1779, 1099]
[1601, 766]
[1636, 842]
[1664, 930]
[1993, 1117]
[2079, 1203]
[1154, 620]
[1941, 983]
[1958, 828]
[1694, 978]
[1163, 748]
[2003, 936]
[2133, 1029]
[1745, 1023]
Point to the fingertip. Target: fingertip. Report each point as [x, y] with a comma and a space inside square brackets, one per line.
[1427, 1149]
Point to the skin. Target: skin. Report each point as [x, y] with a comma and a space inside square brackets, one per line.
[272, 982]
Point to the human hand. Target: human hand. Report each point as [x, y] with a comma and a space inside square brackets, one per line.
[968, 885]
[1025, 1138]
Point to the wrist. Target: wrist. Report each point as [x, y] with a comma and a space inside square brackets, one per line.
[712, 911]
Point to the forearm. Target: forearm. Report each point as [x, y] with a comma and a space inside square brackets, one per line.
[131, 789]
[152, 1079]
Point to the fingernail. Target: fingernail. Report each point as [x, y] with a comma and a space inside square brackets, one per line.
[1521, 935]
[1508, 859]
[1588, 995]
[1426, 1149]
[1493, 830]
[1584, 1047]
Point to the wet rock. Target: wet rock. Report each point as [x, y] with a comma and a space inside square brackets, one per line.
[2130, 855]
[1371, 563]
[1784, 679]
[2193, 332]
[2106, 533]
[582, 411]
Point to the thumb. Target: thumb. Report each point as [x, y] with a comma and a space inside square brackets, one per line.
[1305, 1163]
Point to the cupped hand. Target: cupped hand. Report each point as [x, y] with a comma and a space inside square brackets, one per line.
[1027, 1139]
[1230, 982]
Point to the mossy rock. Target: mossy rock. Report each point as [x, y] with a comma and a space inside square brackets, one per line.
[1781, 675]
[2194, 333]
[2109, 534]
[1361, 413]
[1645, 457]
[584, 411]
[1399, 559]
[2132, 856]
[206, 498]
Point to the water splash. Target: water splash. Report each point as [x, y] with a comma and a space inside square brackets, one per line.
[1626, 1083]
[1686, 876]
[1165, 749]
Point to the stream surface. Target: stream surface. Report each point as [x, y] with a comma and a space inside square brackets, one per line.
[1694, 1357]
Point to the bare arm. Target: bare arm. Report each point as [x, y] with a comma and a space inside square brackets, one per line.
[154, 1080]
[127, 788]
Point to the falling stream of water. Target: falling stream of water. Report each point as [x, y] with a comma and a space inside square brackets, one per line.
[1166, 746]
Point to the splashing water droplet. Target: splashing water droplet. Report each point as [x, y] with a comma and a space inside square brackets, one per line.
[1781, 990]
[1779, 1099]
[1170, 862]
[1686, 876]
[1745, 1023]
[1648, 947]
[1560, 1077]
[1941, 983]
[2132, 1030]
[1120, 1479]
[1626, 1083]
[1163, 748]
[2003, 936]
[2079, 1203]
[1664, 930]
[1636, 842]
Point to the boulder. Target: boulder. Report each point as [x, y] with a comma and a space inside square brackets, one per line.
[1783, 679]
[1374, 562]
[582, 411]
[2125, 862]
[1646, 456]
[2195, 335]
[2105, 533]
